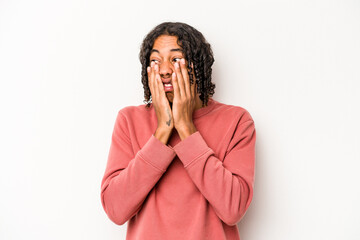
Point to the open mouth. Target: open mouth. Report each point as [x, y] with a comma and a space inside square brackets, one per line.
[168, 87]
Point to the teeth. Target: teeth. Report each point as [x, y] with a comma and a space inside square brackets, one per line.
[167, 84]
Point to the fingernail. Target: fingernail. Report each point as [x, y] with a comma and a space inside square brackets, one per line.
[148, 69]
[152, 64]
[182, 61]
[176, 64]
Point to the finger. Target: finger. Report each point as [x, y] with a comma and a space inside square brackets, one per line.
[156, 80]
[194, 85]
[160, 85]
[175, 84]
[193, 88]
[185, 76]
[150, 81]
[148, 69]
[180, 81]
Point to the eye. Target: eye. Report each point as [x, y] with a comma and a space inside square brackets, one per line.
[154, 60]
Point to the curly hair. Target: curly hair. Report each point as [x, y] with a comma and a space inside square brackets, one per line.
[196, 50]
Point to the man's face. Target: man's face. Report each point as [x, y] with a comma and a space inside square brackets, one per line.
[165, 53]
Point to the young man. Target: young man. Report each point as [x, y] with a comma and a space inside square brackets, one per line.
[181, 166]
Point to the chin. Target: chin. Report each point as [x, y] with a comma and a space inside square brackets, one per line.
[170, 96]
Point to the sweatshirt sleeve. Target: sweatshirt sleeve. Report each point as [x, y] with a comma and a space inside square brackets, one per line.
[227, 185]
[129, 177]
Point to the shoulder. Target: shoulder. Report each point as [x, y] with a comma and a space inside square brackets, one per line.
[135, 112]
[234, 112]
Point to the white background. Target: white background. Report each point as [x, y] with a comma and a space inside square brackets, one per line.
[67, 67]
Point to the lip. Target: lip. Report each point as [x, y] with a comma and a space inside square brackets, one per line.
[166, 80]
[168, 88]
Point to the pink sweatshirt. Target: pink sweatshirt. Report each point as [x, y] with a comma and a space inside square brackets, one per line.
[194, 189]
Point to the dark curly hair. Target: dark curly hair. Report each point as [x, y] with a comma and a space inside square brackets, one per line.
[196, 50]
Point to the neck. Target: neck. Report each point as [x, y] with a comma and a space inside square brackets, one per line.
[198, 103]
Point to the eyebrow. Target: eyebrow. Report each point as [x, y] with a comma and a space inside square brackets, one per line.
[171, 50]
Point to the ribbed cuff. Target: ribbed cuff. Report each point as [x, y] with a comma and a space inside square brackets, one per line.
[191, 148]
[157, 154]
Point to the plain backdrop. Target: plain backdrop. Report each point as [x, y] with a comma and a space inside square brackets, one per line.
[67, 67]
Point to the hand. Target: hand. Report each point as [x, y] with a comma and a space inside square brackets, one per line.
[161, 104]
[184, 101]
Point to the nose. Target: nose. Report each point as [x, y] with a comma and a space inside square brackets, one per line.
[166, 69]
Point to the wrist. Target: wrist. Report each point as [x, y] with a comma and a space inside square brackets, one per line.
[163, 134]
[186, 131]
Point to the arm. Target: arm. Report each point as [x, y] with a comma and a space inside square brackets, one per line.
[227, 185]
[128, 179]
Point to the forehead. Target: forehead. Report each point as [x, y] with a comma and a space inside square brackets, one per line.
[165, 43]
